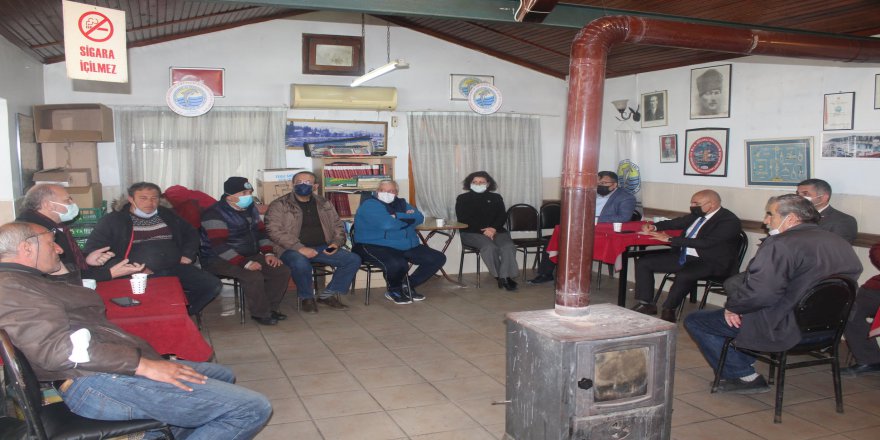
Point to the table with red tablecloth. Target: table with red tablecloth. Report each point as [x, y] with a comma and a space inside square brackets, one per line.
[875, 326]
[161, 318]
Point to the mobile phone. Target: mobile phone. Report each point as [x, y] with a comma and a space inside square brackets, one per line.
[331, 250]
[125, 301]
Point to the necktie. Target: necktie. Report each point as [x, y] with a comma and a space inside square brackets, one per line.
[682, 257]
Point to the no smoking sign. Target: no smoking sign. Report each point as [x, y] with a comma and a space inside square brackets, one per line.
[95, 26]
[94, 43]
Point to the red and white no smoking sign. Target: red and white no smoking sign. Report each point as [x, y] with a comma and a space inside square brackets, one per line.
[94, 43]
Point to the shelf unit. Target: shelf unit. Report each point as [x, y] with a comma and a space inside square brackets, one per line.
[346, 198]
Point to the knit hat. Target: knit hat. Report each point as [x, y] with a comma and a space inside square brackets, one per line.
[709, 80]
[236, 184]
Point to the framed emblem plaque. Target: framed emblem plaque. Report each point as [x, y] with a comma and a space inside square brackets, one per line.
[706, 152]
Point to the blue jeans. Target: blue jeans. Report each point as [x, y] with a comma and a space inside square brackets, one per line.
[199, 286]
[709, 329]
[345, 266]
[395, 263]
[212, 411]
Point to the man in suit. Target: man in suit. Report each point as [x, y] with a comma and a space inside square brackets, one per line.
[759, 312]
[818, 191]
[707, 247]
[654, 110]
[613, 204]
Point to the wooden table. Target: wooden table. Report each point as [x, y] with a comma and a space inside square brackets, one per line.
[161, 319]
[448, 230]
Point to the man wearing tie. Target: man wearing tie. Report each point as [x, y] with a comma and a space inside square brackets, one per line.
[707, 247]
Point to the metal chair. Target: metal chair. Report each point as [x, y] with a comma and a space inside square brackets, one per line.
[821, 316]
[370, 269]
[524, 218]
[56, 421]
[465, 249]
[239, 296]
[550, 215]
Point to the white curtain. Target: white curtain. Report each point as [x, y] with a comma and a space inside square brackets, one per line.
[157, 145]
[628, 164]
[446, 147]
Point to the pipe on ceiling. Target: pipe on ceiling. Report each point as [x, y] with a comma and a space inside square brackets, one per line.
[589, 55]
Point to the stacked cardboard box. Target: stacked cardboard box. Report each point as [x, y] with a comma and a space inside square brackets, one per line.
[275, 183]
[68, 135]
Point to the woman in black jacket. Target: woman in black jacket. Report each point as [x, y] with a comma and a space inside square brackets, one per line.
[483, 211]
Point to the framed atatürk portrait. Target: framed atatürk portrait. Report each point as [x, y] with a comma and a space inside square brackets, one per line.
[332, 55]
[654, 105]
[838, 113]
[669, 148]
[710, 92]
[706, 152]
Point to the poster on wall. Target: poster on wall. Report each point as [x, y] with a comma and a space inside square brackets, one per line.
[323, 136]
[851, 145]
[778, 162]
[706, 152]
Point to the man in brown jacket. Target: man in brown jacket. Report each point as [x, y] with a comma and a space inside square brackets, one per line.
[306, 229]
[113, 375]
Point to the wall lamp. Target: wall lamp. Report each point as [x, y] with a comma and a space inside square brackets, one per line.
[379, 71]
[621, 107]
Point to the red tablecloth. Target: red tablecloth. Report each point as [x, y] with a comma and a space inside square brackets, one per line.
[161, 318]
[875, 327]
[608, 245]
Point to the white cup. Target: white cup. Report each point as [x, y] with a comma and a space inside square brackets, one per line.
[90, 283]
[618, 227]
[441, 222]
[138, 283]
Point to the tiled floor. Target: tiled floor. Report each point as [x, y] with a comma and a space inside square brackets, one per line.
[431, 370]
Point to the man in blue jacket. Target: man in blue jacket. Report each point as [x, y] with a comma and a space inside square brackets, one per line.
[613, 204]
[385, 236]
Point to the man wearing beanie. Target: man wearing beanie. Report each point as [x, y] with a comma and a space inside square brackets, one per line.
[709, 86]
[234, 244]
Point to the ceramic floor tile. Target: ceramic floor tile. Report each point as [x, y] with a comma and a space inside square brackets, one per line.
[408, 396]
[324, 383]
[257, 370]
[314, 365]
[387, 377]
[483, 411]
[464, 434]
[287, 411]
[298, 350]
[791, 395]
[868, 401]
[271, 388]
[375, 358]
[372, 426]
[325, 406]
[299, 431]
[723, 404]
[428, 352]
[686, 382]
[432, 419]
[712, 429]
[468, 388]
[452, 369]
[685, 414]
[825, 411]
[354, 345]
[258, 352]
[794, 428]
[494, 365]
[862, 434]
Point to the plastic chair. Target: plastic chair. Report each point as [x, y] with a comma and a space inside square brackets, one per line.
[821, 316]
[524, 218]
[56, 421]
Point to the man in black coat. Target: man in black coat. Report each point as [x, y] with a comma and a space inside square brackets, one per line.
[818, 191]
[759, 312]
[707, 247]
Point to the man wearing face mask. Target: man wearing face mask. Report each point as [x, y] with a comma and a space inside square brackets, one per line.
[51, 207]
[613, 205]
[234, 244]
[385, 235]
[307, 229]
[818, 192]
[707, 247]
[759, 312]
[146, 233]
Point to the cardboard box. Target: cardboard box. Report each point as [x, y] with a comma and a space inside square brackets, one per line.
[277, 174]
[73, 123]
[72, 155]
[65, 176]
[87, 196]
[269, 191]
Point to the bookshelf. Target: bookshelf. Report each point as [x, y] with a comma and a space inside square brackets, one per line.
[343, 179]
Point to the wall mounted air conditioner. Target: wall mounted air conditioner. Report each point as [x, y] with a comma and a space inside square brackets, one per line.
[343, 97]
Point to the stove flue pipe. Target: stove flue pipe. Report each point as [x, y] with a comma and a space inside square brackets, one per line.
[585, 102]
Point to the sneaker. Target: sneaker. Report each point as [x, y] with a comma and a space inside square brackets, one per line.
[397, 297]
[308, 305]
[415, 296]
[333, 302]
[756, 386]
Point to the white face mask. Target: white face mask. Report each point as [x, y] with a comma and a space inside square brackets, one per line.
[70, 214]
[776, 231]
[385, 197]
[809, 199]
[142, 214]
[478, 188]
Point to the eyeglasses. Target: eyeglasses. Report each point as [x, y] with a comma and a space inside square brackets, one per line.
[52, 231]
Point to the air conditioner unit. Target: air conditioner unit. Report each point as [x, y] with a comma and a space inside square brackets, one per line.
[343, 97]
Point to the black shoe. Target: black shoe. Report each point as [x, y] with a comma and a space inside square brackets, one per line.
[279, 316]
[859, 369]
[502, 282]
[413, 295]
[333, 302]
[265, 321]
[510, 284]
[668, 315]
[541, 279]
[648, 309]
[309, 305]
[756, 386]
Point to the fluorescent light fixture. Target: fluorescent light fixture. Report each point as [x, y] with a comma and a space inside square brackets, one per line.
[379, 71]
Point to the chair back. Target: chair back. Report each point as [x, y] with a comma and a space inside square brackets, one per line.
[24, 383]
[550, 214]
[523, 217]
[636, 216]
[824, 310]
[743, 246]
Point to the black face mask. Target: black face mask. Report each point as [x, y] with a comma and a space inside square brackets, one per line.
[603, 190]
[697, 211]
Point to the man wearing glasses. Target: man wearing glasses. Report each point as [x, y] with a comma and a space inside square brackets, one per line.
[307, 229]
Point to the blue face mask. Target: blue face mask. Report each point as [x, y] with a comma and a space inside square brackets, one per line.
[142, 214]
[303, 189]
[244, 201]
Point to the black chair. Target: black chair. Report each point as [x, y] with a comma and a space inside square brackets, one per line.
[239, 297]
[13, 429]
[524, 218]
[319, 271]
[465, 249]
[713, 284]
[55, 421]
[370, 269]
[821, 316]
[550, 215]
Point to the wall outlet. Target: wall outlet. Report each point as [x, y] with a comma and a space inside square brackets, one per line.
[394, 121]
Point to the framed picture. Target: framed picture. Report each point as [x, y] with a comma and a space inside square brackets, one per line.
[877, 91]
[838, 113]
[710, 92]
[669, 148]
[850, 145]
[778, 162]
[706, 152]
[332, 55]
[460, 84]
[321, 136]
[213, 78]
[654, 105]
